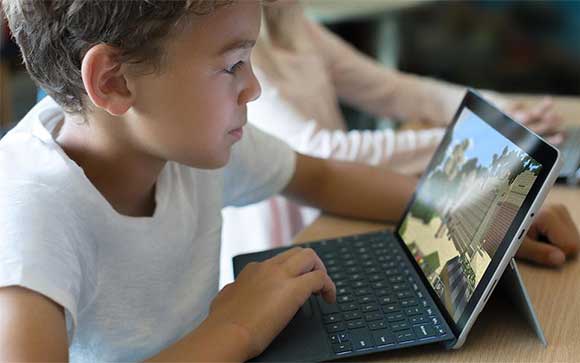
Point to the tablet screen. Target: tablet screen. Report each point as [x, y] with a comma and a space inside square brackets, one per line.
[469, 197]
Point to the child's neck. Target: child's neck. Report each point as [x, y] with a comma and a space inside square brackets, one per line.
[124, 175]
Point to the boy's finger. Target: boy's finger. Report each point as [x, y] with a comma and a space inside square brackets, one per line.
[281, 257]
[316, 282]
[570, 241]
[305, 261]
[542, 253]
[556, 224]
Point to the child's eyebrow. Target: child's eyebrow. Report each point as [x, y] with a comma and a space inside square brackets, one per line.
[238, 44]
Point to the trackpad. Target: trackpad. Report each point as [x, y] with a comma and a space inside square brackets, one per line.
[304, 339]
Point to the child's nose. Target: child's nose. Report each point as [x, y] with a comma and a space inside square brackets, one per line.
[252, 90]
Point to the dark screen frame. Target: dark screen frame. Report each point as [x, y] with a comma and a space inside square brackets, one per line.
[527, 141]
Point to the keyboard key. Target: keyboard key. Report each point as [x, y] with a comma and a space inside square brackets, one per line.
[355, 324]
[330, 262]
[387, 300]
[365, 257]
[342, 348]
[405, 336]
[334, 339]
[418, 319]
[413, 311]
[440, 330]
[369, 307]
[396, 279]
[350, 315]
[425, 331]
[366, 299]
[333, 269]
[331, 318]
[343, 337]
[395, 317]
[343, 291]
[338, 276]
[402, 325]
[373, 316]
[359, 284]
[348, 307]
[353, 269]
[383, 337]
[403, 294]
[380, 285]
[400, 286]
[363, 291]
[434, 320]
[382, 292]
[361, 339]
[344, 299]
[372, 270]
[336, 327]
[408, 302]
[375, 325]
[391, 308]
[326, 308]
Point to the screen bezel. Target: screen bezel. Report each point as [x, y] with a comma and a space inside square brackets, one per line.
[519, 135]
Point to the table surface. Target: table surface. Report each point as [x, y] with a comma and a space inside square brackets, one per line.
[500, 333]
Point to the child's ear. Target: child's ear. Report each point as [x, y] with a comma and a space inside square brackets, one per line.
[105, 80]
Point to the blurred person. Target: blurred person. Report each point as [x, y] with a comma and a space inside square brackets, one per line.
[305, 71]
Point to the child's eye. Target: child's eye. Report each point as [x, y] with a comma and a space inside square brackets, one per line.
[232, 69]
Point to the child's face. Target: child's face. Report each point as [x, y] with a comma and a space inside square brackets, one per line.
[194, 110]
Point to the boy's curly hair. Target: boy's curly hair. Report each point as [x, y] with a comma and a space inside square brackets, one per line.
[54, 36]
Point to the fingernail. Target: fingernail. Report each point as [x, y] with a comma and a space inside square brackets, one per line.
[557, 257]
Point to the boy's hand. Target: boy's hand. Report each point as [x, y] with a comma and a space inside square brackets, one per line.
[555, 225]
[266, 295]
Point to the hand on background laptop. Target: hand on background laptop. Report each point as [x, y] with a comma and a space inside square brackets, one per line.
[542, 118]
[266, 295]
[555, 225]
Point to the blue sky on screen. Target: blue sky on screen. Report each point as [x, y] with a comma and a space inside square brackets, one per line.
[487, 142]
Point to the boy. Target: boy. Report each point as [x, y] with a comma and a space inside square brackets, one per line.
[110, 198]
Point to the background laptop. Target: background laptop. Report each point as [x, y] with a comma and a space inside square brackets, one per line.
[427, 282]
[570, 149]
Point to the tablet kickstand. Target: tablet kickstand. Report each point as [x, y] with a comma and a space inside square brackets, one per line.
[512, 284]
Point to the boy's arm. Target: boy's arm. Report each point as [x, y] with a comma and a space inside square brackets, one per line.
[361, 191]
[350, 189]
[243, 319]
[32, 327]
[247, 314]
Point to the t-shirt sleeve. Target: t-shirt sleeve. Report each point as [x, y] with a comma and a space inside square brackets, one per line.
[42, 249]
[260, 166]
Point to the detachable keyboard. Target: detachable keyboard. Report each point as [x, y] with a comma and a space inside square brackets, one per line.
[382, 303]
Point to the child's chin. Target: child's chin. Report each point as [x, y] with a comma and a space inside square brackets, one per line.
[215, 163]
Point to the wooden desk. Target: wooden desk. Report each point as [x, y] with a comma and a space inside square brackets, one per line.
[500, 334]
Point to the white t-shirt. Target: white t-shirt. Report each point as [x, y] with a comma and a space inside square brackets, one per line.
[130, 286]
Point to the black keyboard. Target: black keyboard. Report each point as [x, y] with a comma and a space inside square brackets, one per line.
[381, 304]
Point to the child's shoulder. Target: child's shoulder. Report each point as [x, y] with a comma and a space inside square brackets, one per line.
[34, 170]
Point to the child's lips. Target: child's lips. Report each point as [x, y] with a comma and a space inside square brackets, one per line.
[237, 133]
